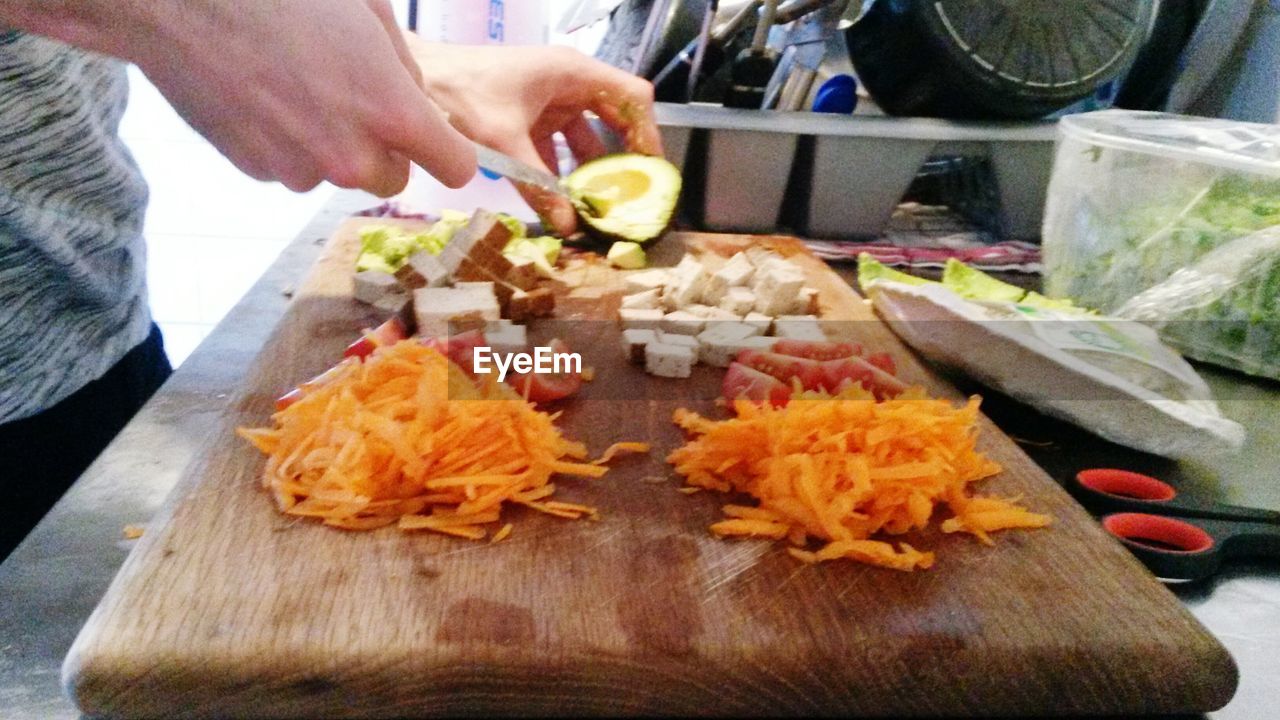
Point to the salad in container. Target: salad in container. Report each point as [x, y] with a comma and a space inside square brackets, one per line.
[1173, 221]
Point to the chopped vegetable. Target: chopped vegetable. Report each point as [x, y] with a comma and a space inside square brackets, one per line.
[841, 469]
[406, 438]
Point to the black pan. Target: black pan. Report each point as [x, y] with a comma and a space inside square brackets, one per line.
[993, 59]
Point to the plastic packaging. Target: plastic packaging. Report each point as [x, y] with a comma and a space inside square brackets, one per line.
[1110, 376]
[1169, 208]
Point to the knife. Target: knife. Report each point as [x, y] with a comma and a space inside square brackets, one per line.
[519, 171]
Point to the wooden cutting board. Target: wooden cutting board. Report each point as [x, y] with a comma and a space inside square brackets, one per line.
[227, 608]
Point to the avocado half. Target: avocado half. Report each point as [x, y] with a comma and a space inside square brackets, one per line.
[626, 196]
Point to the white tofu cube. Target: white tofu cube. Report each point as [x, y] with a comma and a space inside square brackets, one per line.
[436, 309]
[807, 302]
[682, 322]
[777, 287]
[677, 339]
[799, 327]
[736, 272]
[507, 339]
[671, 361]
[759, 256]
[635, 341]
[761, 322]
[640, 318]
[721, 352]
[638, 282]
[647, 299]
[685, 285]
[738, 300]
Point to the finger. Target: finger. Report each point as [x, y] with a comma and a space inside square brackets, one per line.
[626, 105]
[419, 131]
[555, 211]
[546, 148]
[583, 140]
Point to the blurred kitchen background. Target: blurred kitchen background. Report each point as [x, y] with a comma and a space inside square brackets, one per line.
[211, 231]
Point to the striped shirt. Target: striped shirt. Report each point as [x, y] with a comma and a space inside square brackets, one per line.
[72, 263]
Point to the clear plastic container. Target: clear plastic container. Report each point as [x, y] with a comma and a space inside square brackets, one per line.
[1138, 200]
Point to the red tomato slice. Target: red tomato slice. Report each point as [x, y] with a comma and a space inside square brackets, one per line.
[784, 367]
[836, 373]
[546, 387]
[813, 350]
[459, 348]
[884, 361]
[758, 387]
[388, 333]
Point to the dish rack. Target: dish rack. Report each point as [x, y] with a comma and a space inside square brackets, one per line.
[840, 176]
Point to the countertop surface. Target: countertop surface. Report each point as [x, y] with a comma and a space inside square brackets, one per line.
[50, 583]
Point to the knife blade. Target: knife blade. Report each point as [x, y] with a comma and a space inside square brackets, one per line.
[517, 170]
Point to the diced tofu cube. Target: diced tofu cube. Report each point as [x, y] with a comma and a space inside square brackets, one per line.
[672, 361]
[682, 322]
[646, 280]
[635, 341]
[646, 299]
[640, 318]
[761, 322]
[685, 284]
[524, 272]
[736, 272]
[484, 230]
[529, 304]
[806, 302]
[422, 269]
[373, 285]
[776, 289]
[759, 256]
[508, 339]
[677, 339]
[721, 352]
[799, 327]
[440, 311]
[738, 300]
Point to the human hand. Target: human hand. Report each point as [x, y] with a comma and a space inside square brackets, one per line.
[301, 91]
[514, 99]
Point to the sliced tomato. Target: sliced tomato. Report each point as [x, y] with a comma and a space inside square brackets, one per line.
[884, 361]
[296, 394]
[546, 387]
[784, 367]
[814, 350]
[388, 333]
[742, 381]
[854, 370]
[459, 348]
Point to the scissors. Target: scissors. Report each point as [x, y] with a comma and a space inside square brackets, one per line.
[1177, 539]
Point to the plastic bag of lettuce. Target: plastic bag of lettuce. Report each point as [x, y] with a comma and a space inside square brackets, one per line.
[1137, 198]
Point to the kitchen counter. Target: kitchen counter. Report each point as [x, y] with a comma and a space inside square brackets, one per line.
[51, 582]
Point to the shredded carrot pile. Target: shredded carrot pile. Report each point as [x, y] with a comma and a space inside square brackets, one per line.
[841, 469]
[406, 438]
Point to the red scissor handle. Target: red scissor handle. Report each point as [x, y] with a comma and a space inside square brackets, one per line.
[1124, 483]
[1157, 533]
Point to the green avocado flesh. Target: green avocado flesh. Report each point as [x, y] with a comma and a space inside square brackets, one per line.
[626, 196]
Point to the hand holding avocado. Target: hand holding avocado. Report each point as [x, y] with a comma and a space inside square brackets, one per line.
[514, 99]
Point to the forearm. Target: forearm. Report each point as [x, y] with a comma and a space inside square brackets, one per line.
[112, 27]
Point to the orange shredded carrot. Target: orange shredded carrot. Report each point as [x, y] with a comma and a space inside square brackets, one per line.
[405, 438]
[621, 447]
[839, 469]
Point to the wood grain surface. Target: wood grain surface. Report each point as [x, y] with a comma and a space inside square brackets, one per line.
[227, 608]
